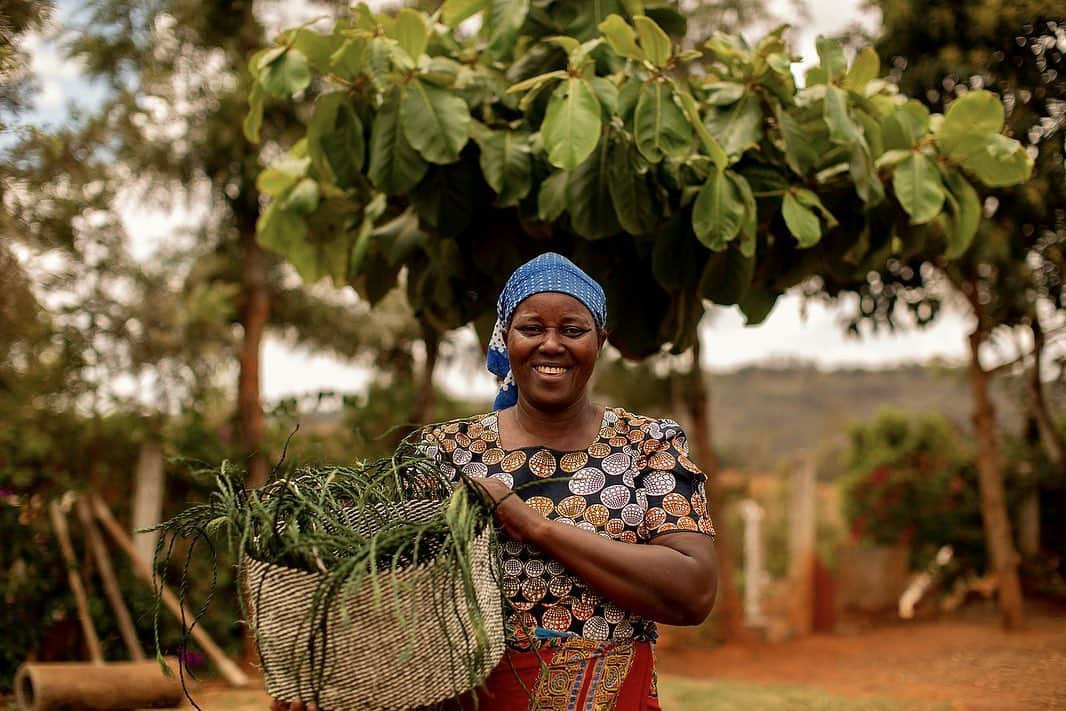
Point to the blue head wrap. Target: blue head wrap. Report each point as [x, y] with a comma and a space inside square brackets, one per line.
[548, 272]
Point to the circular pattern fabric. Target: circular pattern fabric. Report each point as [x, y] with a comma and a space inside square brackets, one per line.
[633, 483]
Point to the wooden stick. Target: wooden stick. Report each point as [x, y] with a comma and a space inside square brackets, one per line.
[140, 566]
[59, 523]
[107, 576]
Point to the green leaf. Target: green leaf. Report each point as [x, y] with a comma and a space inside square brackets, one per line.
[904, 126]
[317, 47]
[588, 197]
[435, 121]
[653, 40]
[918, 188]
[395, 166]
[659, 125]
[677, 257]
[724, 93]
[630, 192]
[737, 127]
[863, 70]
[288, 74]
[302, 199]
[411, 32]
[621, 38]
[994, 159]
[506, 164]
[349, 59]
[335, 142]
[749, 230]
[505, 19]
[571, 127]
[607, 94]
[842, 129]
[800, 153]
[371, 213]
[756, 304]
[801, 220]
[864, 174]
[551, 201]
[534, 83]
[713, 148]
[455, 11]
[285, 233]
[718, 213]
[965, 215]
[974, 112]
[831, 55]
[275, 182]
[727, 276]
[253, 120]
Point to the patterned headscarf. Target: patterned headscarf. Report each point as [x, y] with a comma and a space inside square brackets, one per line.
[550, 272]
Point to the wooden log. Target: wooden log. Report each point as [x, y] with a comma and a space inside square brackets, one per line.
[144, 570]
[73, 686]
[107, 576]
[59, 524]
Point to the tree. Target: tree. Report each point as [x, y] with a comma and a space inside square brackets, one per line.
[1011, 277]
[570, 126]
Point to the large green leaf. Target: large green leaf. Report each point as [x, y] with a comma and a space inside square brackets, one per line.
[285, 234]
[800, 152]
[655, 42]
[303, 198]
[918, 188]
[831, 56]
[435, 121]
[659, 124]
[286, 75]
[863, 70]
[965, 217]
[630, 192]
[974, 112]
[710, 144]
[395, 166]
[411, 32]
[317, 47]
[506, 164]
[718, 214]
[588, 196]
[842, 128]
[756, 304]
[863, 173]
[620, 37]
[335, 142]
[253, 120]
[349, 59]
[445, 197]
[677, 257]
[727, 276]
[571, 127]
[551, 200]
[505, 19]
[994, 159]
[737, 127]
[455, 11]
[903, 126]
[802, 221]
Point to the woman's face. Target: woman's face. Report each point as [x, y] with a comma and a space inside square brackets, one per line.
[553, 344]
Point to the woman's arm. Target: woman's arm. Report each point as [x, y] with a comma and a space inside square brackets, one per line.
[674, 580]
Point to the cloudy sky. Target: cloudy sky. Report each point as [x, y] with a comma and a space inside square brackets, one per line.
[812, 333]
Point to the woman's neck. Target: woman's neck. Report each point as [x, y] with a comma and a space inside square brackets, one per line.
[571, 428]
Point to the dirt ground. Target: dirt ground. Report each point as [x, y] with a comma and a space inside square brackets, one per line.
[969, 664]
[960, 664]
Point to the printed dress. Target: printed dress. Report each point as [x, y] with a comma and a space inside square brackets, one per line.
[633, 483]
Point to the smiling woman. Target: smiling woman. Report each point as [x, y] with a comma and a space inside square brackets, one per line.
[603, 517]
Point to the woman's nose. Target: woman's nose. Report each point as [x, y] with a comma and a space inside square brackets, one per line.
[551, 342]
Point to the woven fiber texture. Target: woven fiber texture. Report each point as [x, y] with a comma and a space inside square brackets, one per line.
[403, 643]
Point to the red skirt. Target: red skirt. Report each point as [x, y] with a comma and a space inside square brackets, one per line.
[578, 674]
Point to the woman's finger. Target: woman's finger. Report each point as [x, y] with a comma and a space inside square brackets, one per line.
[278, 705]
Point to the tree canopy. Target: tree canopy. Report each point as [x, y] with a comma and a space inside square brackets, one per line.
[572, 126]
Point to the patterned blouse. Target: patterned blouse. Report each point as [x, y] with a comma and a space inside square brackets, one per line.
[633, 483]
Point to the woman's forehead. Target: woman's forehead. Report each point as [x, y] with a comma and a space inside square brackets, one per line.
[552, 303]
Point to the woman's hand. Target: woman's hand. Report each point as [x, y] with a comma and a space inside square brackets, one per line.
[520, 520]
[277, 705]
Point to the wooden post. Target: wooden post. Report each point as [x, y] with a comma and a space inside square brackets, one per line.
[801, 548]
[149, 487]
[59, 523]
[144, 570]
[107, 577]
[67, 686]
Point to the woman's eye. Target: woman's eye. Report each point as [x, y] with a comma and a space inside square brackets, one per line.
[530, 330]
[574, 331]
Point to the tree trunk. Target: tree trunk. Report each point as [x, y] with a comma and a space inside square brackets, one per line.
[255, 312]
[1004, 559]
[149, 487]
[1038, 409]
[426, 397]
[696, 399]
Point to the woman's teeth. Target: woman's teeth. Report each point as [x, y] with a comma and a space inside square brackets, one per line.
[549, 369]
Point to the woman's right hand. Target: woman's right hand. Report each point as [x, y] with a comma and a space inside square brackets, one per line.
[278, 705]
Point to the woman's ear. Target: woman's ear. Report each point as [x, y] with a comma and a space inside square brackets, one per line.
[602, 336]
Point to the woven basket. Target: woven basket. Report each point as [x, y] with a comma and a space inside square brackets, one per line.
[369, 661]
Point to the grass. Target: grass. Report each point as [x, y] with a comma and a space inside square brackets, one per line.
[680, 694]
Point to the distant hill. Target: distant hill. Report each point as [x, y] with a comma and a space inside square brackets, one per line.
[762, 414]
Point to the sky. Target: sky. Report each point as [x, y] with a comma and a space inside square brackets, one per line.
[813, 332]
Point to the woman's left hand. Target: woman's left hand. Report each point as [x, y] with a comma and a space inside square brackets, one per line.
[519, 519]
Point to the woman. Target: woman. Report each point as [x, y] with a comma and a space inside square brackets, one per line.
[581, 608]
